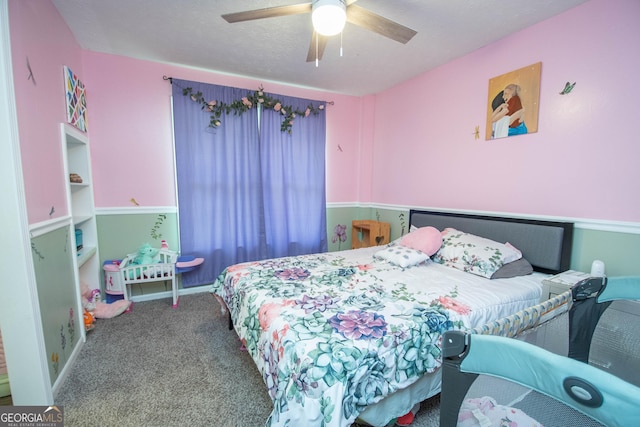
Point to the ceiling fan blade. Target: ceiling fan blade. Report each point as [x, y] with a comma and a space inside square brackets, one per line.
[269, 12]
[322, 43]
[378, 24]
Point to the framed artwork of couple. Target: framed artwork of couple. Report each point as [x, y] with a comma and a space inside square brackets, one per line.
[513, 103]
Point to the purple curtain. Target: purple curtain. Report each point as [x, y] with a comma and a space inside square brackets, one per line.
[246, 193]
[293, 176]
[219, 183]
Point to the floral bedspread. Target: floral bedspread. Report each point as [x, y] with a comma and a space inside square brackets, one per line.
[333, 333]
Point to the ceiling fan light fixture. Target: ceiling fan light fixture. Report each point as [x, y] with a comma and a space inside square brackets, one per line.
[329, 16]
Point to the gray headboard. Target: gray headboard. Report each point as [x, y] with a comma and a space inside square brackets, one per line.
[545, 244]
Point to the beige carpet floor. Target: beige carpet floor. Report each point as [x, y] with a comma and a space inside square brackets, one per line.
[158, 366]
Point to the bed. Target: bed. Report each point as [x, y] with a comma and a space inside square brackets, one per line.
[357, 334]
[536, 368]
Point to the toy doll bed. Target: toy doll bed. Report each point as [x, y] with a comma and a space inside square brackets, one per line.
[543, 376]
[347, 334]
[130, 273]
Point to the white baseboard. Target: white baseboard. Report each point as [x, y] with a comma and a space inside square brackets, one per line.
[67, 367]
[167, 294]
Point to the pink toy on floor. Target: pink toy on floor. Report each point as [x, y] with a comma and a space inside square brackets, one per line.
[100, 310]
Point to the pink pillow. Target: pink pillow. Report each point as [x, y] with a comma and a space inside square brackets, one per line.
[425, 239]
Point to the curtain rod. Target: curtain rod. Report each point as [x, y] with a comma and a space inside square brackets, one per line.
[171, 81]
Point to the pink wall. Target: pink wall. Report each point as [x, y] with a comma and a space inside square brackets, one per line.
[582, 162]
[579, 164]
[39, 34]
[130, 115]
[129, 118]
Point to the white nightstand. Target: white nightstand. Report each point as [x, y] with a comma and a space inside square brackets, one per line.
[560, 283]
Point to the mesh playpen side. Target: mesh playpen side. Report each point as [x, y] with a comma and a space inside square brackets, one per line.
[534, 367]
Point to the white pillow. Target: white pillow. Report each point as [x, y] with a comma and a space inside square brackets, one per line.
[401, 256]
[474, 254]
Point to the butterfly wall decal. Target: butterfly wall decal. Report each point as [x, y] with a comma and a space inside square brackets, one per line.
[568, 87]
[30, 76]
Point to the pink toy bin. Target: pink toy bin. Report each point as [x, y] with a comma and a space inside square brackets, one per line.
[113, 283]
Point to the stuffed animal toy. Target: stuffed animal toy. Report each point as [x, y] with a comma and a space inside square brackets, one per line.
[98, 309]
[89, 321]
[147, 255]
[89, 301]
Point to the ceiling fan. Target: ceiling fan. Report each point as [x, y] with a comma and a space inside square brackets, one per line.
[336, 12]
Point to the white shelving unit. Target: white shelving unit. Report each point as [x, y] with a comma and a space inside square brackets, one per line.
[80, 203]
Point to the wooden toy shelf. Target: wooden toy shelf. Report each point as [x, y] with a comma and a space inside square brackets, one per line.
[366, 233]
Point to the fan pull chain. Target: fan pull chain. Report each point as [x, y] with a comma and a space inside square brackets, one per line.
[341, 44]
[317, 36]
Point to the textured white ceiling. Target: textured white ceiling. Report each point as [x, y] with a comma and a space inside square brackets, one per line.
[192, 33]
